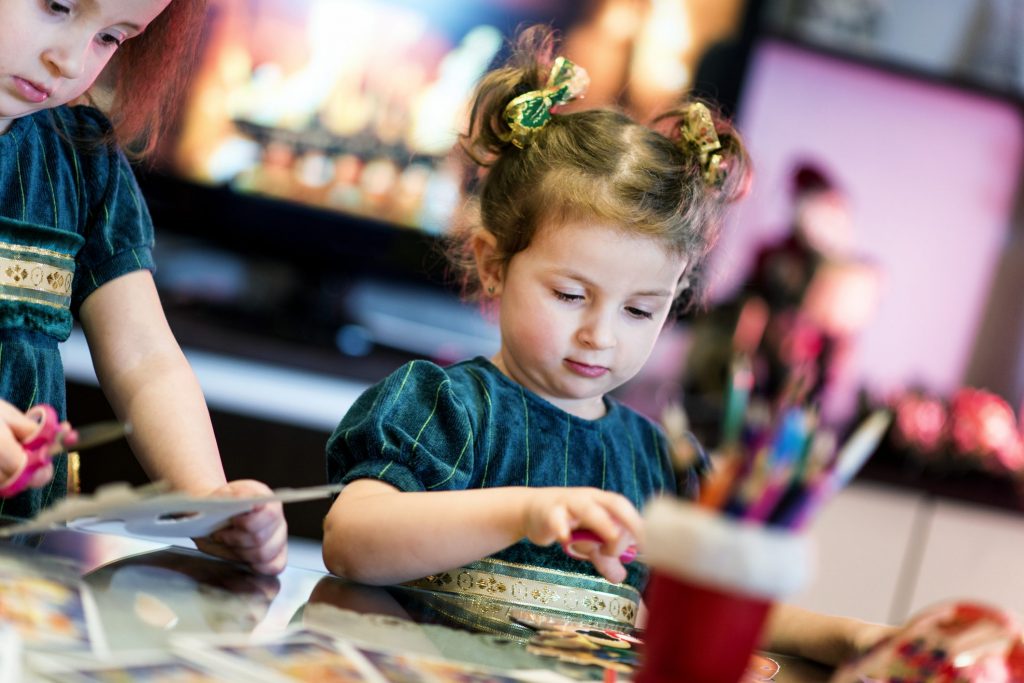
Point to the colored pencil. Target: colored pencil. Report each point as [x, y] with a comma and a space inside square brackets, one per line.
[854, 453]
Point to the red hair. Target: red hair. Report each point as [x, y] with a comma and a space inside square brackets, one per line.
[149, 75]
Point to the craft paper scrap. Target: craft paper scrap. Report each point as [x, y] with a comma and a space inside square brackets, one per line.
[153, 511]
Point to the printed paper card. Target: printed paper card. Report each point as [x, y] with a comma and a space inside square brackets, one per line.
[307, 655]
[298, 655]
[48, 605]
[147, 667]
[408, 668]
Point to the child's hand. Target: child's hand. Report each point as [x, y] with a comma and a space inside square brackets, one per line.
[850, 638]
[258, 538]
[866, 635]
[16, 427]
[551, 514]
[825, 638]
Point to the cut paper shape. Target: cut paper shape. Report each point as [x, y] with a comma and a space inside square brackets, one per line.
[153, 511]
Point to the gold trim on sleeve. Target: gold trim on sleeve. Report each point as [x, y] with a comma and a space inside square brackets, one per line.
[23, 279]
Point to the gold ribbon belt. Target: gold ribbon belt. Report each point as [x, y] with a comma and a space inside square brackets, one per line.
[539, 588]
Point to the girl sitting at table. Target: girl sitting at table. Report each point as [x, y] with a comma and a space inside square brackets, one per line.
[589, 227]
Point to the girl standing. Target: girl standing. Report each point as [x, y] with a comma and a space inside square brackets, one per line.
[76, 241]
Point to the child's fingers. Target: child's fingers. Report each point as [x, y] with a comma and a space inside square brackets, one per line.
[68, 435]
[630, 527]
[553, 525]
[608, 567]
[595, 517]
[610, 516]
[253, 528]
[560, 524]
[12, 456]
[20, 425]
[268, 557]
[242, 488]
[618, 548]
[271, 556]
[626, 514]
[259, 538]
[41, 476]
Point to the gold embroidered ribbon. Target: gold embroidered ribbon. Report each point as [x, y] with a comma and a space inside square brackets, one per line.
[35, 275]
[551, 590]
[527, 114]
[698, 131]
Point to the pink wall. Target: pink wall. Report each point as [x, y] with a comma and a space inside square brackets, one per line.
[931, 172]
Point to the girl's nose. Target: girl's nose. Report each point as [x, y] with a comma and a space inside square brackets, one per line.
[597, 331]
[66, 60]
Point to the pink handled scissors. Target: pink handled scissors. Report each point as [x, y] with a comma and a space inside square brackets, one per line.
[50, 438]
[582, 542]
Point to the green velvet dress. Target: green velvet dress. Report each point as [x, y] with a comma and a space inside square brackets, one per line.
[71, 219]
[468, 426]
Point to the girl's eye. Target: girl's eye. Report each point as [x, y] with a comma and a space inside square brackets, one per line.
[111, 40]
[58, 8]
[565, 296]
[639, 313]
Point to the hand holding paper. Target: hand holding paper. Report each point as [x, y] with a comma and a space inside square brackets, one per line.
[243, 510]
[258, 538]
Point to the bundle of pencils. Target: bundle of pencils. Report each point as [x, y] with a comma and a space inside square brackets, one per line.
[774, 464]
[777, 465]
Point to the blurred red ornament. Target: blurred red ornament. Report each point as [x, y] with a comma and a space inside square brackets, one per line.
[983, 424]
[920, 421]
[954, 642]
[975, 429]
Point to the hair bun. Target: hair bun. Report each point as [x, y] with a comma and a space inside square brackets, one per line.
[711, 145]
[527, 114]
[697, 131]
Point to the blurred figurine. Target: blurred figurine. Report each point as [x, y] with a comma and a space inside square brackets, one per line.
[804, 299]
[821, 228]
[817, 293]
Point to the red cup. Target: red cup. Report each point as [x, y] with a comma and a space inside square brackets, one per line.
[698, 634]
[713, 582]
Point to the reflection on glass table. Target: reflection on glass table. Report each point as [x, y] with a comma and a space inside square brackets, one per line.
[140, 601]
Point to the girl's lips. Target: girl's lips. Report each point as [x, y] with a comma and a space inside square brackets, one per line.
[585, 370]
[31, 91]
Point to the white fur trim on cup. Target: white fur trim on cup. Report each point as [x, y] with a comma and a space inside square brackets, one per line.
[706, 547]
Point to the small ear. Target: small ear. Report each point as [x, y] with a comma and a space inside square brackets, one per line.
[489, 267]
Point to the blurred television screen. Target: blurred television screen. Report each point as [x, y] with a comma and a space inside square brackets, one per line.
[350, 106]
[353, 106]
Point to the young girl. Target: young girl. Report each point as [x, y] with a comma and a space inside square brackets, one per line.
[590, 225]
[76, 240]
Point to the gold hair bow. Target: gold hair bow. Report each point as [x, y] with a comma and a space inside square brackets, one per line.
[527, 114]
[698, 131]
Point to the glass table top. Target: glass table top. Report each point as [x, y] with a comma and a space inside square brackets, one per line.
[145, 596]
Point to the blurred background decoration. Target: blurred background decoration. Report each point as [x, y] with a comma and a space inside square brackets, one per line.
[954, 640]
[969, 430]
